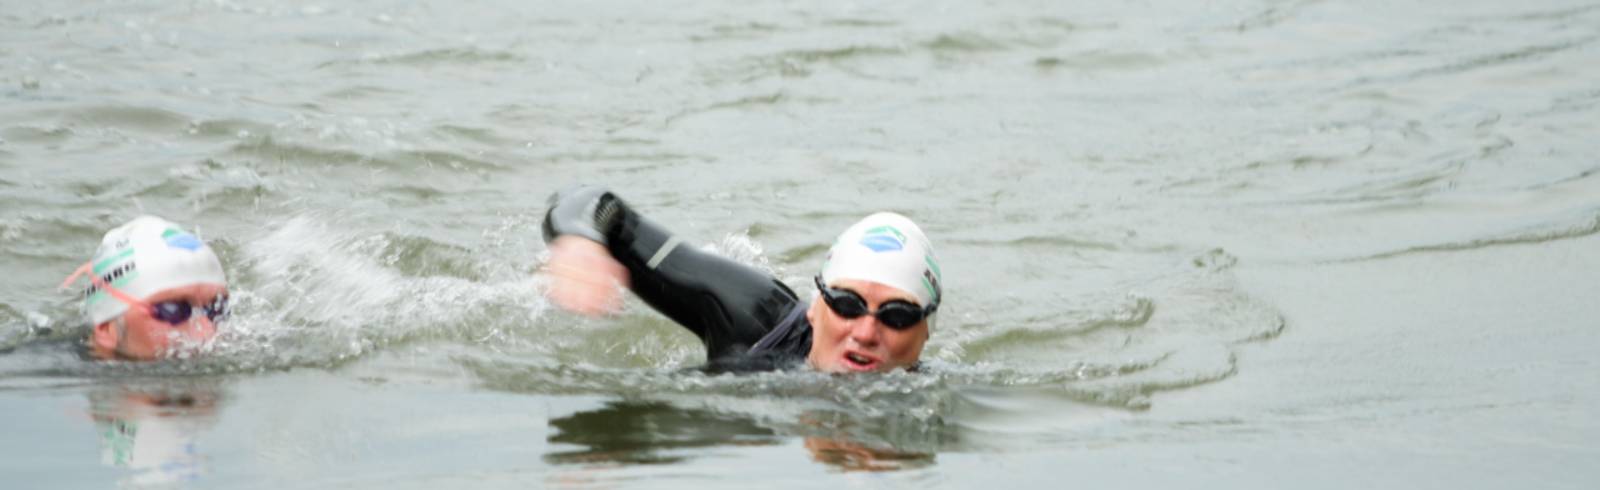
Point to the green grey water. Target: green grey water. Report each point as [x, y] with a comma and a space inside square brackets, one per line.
[1242, 242]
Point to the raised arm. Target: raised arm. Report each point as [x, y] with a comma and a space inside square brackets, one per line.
[597, 241]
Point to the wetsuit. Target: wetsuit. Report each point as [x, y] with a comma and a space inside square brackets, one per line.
[748, 320]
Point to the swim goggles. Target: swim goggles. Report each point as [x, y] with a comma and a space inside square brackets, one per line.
[171, 312]
[896, 314]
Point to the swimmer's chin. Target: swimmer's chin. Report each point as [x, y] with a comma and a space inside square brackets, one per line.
[852, 362]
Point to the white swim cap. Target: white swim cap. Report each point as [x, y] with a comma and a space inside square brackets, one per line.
[146, 256]
[889, 249]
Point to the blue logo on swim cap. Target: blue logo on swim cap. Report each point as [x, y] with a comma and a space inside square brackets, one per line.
[179, 239]
[884, 239]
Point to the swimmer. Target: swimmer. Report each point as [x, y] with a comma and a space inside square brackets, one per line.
[877, 291]
[154, 290]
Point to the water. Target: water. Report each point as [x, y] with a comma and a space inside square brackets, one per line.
[1238, 242]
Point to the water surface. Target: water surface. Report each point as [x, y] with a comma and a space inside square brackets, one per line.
[1238, 242]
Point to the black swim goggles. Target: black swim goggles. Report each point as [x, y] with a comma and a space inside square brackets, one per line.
[896, 314]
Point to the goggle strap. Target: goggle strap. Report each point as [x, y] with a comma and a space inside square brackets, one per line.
[76, 273]
[87, 269]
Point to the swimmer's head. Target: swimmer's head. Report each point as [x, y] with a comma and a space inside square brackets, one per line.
[879, 289]
[153, 287]
[888, 249]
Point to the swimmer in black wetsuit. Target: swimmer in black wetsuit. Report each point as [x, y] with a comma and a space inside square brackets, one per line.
[879, 288]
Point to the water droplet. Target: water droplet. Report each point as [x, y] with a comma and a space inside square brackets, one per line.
[38, 320]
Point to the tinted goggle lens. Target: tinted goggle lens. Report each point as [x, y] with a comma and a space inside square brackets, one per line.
[898, 315]
[178, 312]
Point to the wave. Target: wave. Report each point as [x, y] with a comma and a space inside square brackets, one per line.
[42, 135]
[148, 119]
[771, 99]
[1177, 333]
[12, 329]
[1042, 241]
[1134, 313]
[325, 296]
[24, 231]
[1466, 65]
[737, 32]
[296, 154]
[901, 417]
[227, 186]
[1541, 234]
[310, 292]
[72, 121]
[964, 42]
[226, 128]
[430, 58]
[795, 63]
[1490, 60]
[871, 24]
[481, 135]
[1101, 60]
[270, 149]
[1274, 15]
[1546, 15]
[359, 92]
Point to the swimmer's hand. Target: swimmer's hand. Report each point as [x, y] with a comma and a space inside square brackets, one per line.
[584, 278]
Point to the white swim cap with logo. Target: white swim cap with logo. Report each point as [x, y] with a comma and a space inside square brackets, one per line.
[146, 256]
[889, 249]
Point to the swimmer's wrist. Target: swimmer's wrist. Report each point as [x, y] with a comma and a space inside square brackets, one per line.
[590, 212]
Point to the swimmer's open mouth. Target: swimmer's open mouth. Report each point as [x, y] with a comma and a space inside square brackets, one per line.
[859, 362]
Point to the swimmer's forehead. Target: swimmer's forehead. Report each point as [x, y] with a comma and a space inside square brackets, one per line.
[194, 293]
[879, 291]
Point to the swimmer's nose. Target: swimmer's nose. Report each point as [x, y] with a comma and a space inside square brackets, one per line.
[864, 330]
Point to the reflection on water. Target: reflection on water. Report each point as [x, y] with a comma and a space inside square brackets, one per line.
[848, 444]
[649, 433]
[850, 455]
[655, 432]
[150, 428]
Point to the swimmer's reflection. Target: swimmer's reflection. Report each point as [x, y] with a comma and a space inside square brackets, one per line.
[850, 455]
[645, 432]
[151, 429]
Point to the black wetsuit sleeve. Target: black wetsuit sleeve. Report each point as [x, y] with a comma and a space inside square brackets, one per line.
[729, 305]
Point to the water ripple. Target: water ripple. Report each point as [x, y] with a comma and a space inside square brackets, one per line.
[1547, 233]
[430, 58]
[1491, 60]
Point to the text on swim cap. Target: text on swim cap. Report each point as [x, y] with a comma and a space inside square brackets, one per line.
[118, 273]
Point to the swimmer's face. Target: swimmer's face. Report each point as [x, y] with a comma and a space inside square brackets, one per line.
[144, 337]
[863, 344]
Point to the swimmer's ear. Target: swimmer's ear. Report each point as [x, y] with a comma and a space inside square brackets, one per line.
[811, 312]
[104, 336]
